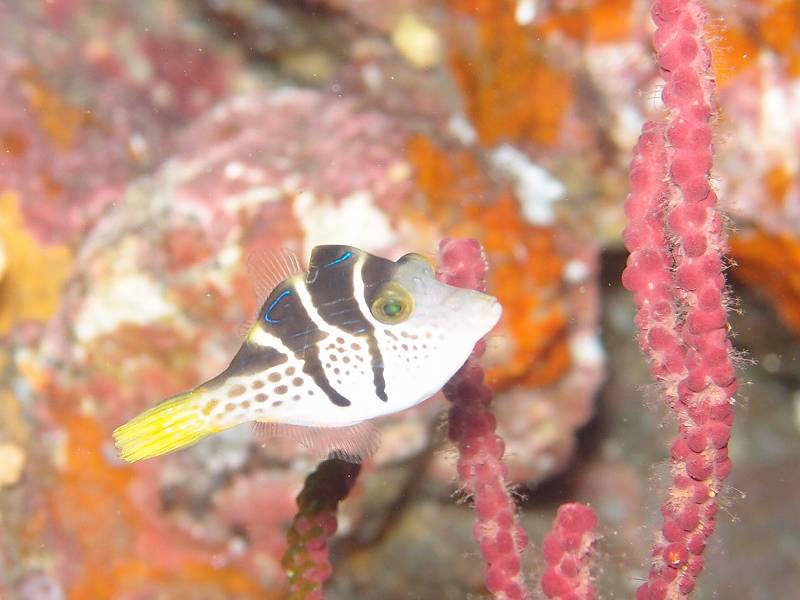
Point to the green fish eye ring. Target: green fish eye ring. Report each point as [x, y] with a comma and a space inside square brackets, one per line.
[392, 304]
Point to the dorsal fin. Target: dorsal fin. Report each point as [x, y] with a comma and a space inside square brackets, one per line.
[268, 268]
[244, 328]
[352, 443]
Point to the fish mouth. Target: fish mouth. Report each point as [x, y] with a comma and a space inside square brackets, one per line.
[495, 307]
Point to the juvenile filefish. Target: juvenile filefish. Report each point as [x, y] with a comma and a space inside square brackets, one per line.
[354, 338]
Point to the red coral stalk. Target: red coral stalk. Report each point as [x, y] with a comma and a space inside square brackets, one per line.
[472, 429]
[676, 242]
[306, 560]
[567, 551]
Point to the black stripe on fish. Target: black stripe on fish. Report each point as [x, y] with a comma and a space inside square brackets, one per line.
[375, 272]
[330, 284]
[254, 358]
[284, 316]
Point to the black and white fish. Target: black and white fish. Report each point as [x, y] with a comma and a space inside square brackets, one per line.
[354, 338]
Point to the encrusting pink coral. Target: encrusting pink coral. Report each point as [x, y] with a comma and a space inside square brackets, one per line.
[567, 549]
[472, 429]
[679, 291]
[306, 560]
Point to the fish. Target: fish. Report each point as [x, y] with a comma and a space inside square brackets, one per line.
[353, 338]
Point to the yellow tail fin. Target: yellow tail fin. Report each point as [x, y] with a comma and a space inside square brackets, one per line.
[174, 423]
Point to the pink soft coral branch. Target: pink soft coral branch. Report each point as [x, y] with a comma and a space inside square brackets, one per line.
[480, 465]
[482, 472]
[678, 287]
[568, 553]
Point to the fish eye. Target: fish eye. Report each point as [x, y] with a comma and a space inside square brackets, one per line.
[392, 304]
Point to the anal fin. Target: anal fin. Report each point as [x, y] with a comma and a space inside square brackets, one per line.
[352, 443]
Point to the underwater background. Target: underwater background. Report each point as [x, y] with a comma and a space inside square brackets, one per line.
[147, 147]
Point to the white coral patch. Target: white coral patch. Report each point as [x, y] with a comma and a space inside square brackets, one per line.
[628, 125]
[525, 12]
[586, 350]
[252, 196]
[354, 220]
[134, 299]
[536, 189]
[462, 129]
[780, 114]
[234, 170]
[576, 271]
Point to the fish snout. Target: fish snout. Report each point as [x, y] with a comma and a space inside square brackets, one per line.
[495, 311]
[484, 311]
